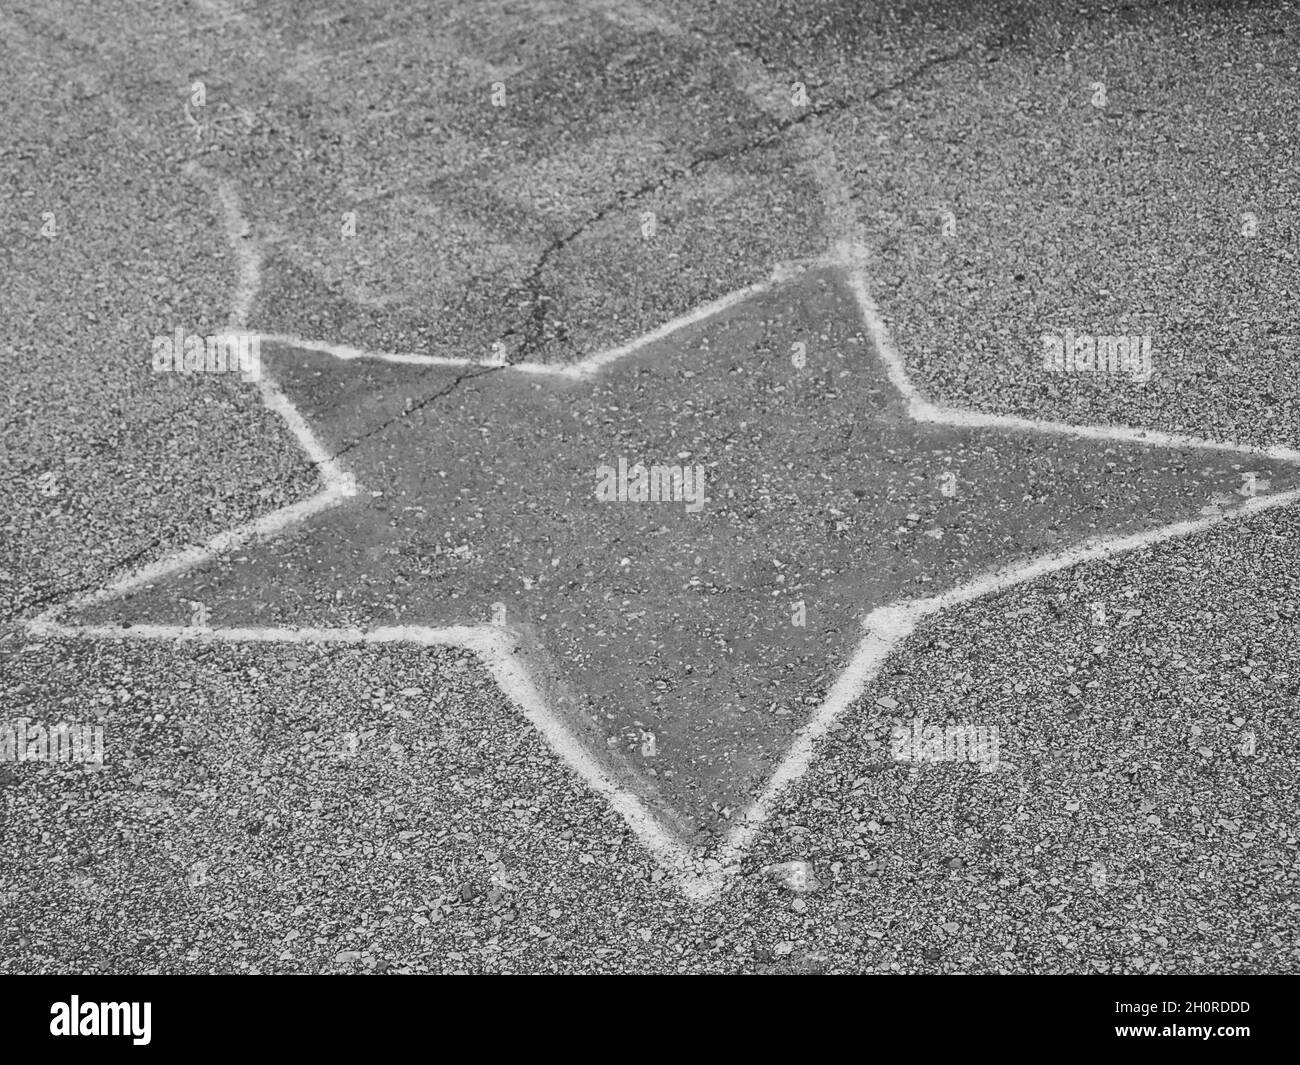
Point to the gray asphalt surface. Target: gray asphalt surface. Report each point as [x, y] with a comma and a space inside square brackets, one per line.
[269, 808]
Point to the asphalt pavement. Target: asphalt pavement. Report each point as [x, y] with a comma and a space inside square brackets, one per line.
[845, 212]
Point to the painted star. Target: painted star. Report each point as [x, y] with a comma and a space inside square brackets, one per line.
[684, 658]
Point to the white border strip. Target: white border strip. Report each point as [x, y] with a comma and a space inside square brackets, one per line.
[922, 410]
[583, 368]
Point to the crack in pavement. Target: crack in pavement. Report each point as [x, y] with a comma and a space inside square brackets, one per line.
[63, 593]
[407, 411]
[535, 325]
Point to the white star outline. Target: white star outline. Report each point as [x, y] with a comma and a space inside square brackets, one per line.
[883, 629]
